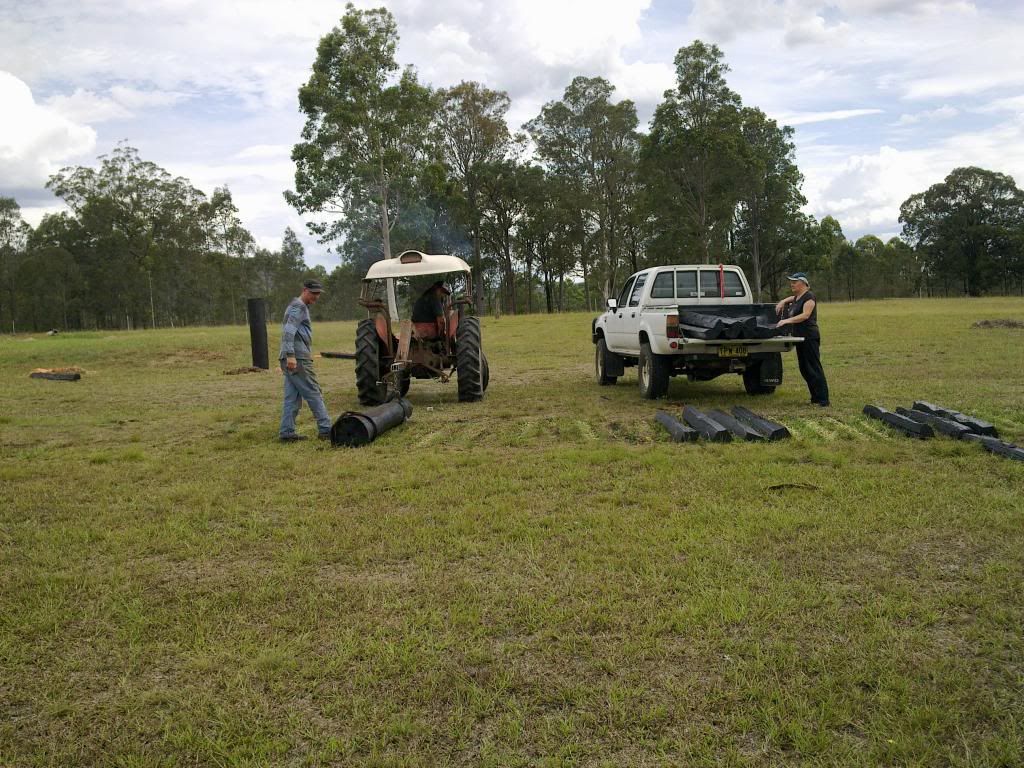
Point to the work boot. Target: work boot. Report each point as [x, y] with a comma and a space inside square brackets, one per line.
[294, 438]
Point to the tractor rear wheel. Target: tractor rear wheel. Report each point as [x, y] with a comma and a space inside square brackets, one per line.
[486, 371]
[372, 391]
[469, 360]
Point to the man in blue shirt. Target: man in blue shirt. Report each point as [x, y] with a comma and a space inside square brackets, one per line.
[296, 359]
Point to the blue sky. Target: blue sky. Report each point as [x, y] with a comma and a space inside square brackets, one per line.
[886, 96]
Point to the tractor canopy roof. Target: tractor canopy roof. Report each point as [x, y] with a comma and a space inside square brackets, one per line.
[414, 264]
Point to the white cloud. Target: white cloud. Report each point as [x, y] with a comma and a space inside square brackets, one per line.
[34, 139]
[865, 190]
[944, 112]
[805, 118]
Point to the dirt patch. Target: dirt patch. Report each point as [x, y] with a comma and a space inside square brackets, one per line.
[187, 356]
[1005, 323]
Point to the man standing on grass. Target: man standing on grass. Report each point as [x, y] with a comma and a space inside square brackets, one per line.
[801, 311]
[296, 358]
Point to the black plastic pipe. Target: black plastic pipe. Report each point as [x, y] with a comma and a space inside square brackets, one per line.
[359, 428]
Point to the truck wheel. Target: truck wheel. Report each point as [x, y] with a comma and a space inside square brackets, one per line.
[368, 379]
[652, 373]
[752, 381]
[601, 364]
[469, 360]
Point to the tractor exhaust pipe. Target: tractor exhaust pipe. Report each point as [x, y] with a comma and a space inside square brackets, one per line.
[359, 428]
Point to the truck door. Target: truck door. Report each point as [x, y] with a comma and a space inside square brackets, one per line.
[613, 326]
[631, 317]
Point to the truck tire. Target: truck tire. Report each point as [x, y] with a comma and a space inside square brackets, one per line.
[601, 364]
[469, 360]
[372, 391]
[653, 373]
[752, 381]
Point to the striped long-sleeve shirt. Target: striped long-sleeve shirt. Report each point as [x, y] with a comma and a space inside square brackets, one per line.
[297, 333]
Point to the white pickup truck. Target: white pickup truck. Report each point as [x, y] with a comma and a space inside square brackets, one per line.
[647, 326]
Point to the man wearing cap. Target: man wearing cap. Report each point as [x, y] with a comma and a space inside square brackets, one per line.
[296, 358]
[801, 310]
[428, 311]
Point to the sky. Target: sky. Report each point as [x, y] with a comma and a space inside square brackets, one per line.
[886, 96]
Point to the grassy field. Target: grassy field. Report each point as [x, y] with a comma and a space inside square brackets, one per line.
[538, 579]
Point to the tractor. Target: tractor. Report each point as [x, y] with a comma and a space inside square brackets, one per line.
[390, 352]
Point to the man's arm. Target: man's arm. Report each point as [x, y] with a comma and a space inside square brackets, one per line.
[805, 315]
[291, 327]
[781, 306]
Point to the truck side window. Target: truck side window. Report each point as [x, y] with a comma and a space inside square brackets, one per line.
[662, 287]
[638, 288]
[686, 284]
[625, 292]
[733, 284]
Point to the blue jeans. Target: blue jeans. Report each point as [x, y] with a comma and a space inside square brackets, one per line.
[299, 385]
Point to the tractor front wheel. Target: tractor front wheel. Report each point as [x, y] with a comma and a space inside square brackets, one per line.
[469, 360]
[372, 390]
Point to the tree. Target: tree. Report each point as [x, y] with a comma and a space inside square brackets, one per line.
[591, 144]
[693, 156]
[770, 197]
[140, 220]
[14, 234]
[474, 136]
[966, 228]
[363, 139]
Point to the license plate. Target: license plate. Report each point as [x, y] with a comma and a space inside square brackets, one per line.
[732, 350]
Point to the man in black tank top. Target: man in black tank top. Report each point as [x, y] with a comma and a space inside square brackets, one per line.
[801, 315]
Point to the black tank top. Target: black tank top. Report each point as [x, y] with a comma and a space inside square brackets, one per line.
[808, 329]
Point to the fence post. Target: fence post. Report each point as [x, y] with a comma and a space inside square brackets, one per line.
[257, 310]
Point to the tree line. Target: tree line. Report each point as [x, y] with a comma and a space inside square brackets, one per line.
[552, 217]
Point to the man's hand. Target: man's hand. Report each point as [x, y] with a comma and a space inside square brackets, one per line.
[291, 364]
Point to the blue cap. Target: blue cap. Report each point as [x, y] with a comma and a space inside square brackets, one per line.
[799, 276]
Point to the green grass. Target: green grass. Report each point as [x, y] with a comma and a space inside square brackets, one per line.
[538, 579]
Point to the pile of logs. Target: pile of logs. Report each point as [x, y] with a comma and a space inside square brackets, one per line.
[720, 427]
[925, 419]
[697, 325]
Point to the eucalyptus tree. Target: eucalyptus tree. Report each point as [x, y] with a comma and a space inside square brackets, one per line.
[365, 134]
[770, 198]
[14, 234]
[141, 220]
[473, 136]
[591, 144]
[694, 159]
[967, 228]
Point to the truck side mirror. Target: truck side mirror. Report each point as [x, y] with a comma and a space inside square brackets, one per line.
[613, 304]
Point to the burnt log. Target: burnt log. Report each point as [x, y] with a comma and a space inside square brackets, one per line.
[699, 319]
[938, 423]
[900, 423]
[708, 427]
[696, 332]
[770, 429]
[977, 426]
[993, 445]
[55, 376]
[736, 427]
[679, 432]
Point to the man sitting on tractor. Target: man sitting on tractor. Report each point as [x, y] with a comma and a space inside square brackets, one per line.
[428, 317]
